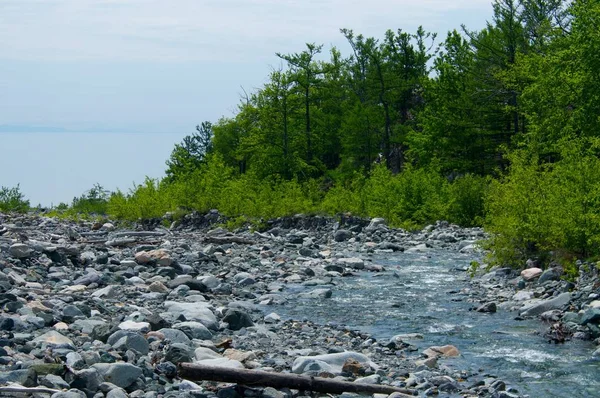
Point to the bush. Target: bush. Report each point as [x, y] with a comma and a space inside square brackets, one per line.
[13, 200]
[467, 204]
[548, 211]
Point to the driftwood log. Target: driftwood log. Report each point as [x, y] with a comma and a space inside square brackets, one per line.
[221, 240]
[248, 377]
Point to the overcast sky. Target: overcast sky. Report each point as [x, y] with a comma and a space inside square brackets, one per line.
[160, 66]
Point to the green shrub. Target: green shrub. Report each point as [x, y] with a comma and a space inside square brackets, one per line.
[537, 210]
[13, 200]
[467, 200]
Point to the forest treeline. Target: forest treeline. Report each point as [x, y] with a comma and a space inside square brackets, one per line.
[497, 127]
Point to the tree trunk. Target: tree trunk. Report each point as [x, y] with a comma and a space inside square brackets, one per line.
[249, 377]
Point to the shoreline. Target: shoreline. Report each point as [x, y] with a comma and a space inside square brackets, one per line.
[90, 302]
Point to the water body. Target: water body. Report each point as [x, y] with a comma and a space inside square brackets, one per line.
[54, 167]
[420, 293]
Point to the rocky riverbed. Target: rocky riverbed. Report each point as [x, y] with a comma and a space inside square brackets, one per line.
[91, 310]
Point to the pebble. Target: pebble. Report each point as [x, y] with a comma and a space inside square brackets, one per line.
[121, 314]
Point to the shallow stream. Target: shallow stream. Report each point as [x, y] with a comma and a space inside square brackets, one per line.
[420, 293]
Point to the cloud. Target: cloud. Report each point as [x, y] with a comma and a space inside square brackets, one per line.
[184, 30]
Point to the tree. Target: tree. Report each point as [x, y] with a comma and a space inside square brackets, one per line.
[306, 74]
[191, 153]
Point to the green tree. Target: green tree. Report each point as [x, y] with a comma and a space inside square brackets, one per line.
[191, 153]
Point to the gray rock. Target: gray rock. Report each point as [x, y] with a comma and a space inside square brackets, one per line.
[334, 362]
[198, 312]
[86, 380]
[175, 336]
[72, 393]
[54, 381]
[342, 235]
[487, 307]
[237, 319]
[124, 340]
[178, 352]
[75, 361]
[194, 330]
[204, 353]
[117, 393]
[551, 274]
[120, 374]
[270, 392]
[591, 315]
[20, 250]
[545, 305]
[24, 377]
[317, 293]
[53, 337]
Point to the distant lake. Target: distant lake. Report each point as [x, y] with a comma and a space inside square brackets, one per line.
[55, 167]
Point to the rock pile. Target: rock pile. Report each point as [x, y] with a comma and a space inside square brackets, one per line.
[90, 310]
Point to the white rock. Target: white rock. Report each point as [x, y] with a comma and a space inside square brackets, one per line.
[143, 327]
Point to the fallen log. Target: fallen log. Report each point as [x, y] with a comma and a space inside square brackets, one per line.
[221, 240]
[248, 377]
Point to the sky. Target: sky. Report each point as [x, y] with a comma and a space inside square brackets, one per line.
[130, 78]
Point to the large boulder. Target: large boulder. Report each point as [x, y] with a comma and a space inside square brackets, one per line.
[195, 312]
[332, 363]
[542, 306]
[531, 273]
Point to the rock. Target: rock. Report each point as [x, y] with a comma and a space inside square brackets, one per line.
[523, 295]
[86, 380]
[194, 330]
[24, 377]
[223, 362]
[333, 362]
[54, 381]
[158, 287]
[317, 293]
[272, 318]
[175, 336]
[124, 340]
[342, 235]
[428, 362]
[375, 224]
[120, 374]
[354, 367]
[142, 327]
[352, 262]
[237, 355]
[203, 353]
[53, 337]
[117, 393]
[178, 352]
[591, 315]
[160, 256]
[72, 393]
[20, 250]
[270, 392]
[372, 379]
[75, 361]
[487, 307]
[446, 351]
[237, 319]
[551, 274]
[545, 305]
[531, 273]
[198, 312]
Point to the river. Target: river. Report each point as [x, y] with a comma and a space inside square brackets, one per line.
[425, 293]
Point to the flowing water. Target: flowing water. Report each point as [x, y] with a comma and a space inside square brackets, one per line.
[420, 293]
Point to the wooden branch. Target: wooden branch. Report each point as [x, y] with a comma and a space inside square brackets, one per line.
[248, 377]
[18, 389]
[220, 240]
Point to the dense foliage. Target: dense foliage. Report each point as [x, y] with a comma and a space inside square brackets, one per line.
[498, 127]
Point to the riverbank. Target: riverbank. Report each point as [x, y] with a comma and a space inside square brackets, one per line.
[103, 311]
